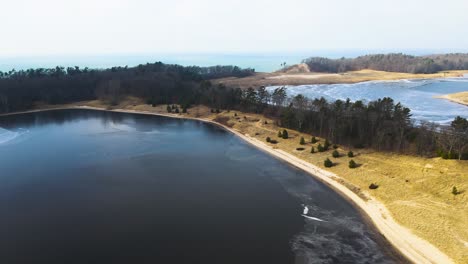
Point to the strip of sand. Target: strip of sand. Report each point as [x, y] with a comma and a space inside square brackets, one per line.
[411, 246]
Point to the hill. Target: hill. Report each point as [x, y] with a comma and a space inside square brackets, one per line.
[392, 62]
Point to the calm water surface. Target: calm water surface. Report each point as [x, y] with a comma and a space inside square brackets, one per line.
[83, 186]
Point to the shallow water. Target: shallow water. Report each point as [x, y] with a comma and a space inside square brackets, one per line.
[83, 186]
[418, 95]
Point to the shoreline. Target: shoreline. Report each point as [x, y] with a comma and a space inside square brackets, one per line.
[414, 248]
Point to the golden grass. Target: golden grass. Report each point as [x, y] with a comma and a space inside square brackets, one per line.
[461, 98]
[416, 190]
[299, 78]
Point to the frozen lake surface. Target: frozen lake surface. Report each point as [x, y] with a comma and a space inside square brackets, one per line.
[418, 95]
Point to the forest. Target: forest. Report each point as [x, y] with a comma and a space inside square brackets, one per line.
[383, 125]
[393, 62]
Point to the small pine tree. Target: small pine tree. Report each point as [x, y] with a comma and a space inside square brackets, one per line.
[313, 140]
[320, 148]
[268, 139]
[326, 145]
[235, 114]
[336, 154]
[352, 164]
[328, 163]
[168, 108]
[312, 150]
[177, 110]
[212, 110]
[454, 190]
[335, 146]
[350, 154]
[266, 122]
[280, 135]
[218, 111]
[173, 107]
[184, 109]
[285, 134]
[302, 141]
[373, 186]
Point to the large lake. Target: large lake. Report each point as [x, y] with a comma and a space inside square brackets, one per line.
[418, 95]
[83, 186]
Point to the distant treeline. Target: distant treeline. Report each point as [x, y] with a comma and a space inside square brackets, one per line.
[382, 124]
[156, 82]
[393, 62]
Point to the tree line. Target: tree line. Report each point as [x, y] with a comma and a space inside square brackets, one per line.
[393, 62]
[156, 82]
[381, 124]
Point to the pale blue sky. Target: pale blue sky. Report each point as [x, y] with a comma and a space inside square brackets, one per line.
[32, 27]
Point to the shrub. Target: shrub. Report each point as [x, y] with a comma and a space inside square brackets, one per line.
[212, 110]
[326, 145]
[373, 186]
[235, 114]
[350, 154]
[302, 141]
[268, 139]
[455, 191]
[273, 141]
[266, 122]
[336, 154]
[320, 148]
[168, 108]
[313, 140]
[300, 149]
[218, 111]
[312, 150]
[285, 134]
[335, 146]
[177, 110]
[328, 163]
[184, 109]
[280, 135]
[352, 164]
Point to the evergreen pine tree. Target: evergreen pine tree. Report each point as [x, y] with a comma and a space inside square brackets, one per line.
[302, 142]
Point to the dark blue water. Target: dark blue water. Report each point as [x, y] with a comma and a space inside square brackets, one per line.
[82, 186]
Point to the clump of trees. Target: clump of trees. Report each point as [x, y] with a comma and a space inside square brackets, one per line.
[393, 62]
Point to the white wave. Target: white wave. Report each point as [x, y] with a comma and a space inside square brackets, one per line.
[313, 218]
[7, 135]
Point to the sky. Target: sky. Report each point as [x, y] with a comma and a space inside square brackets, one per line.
[33, 27]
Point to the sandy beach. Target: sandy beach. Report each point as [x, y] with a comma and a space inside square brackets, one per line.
[414, 248]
